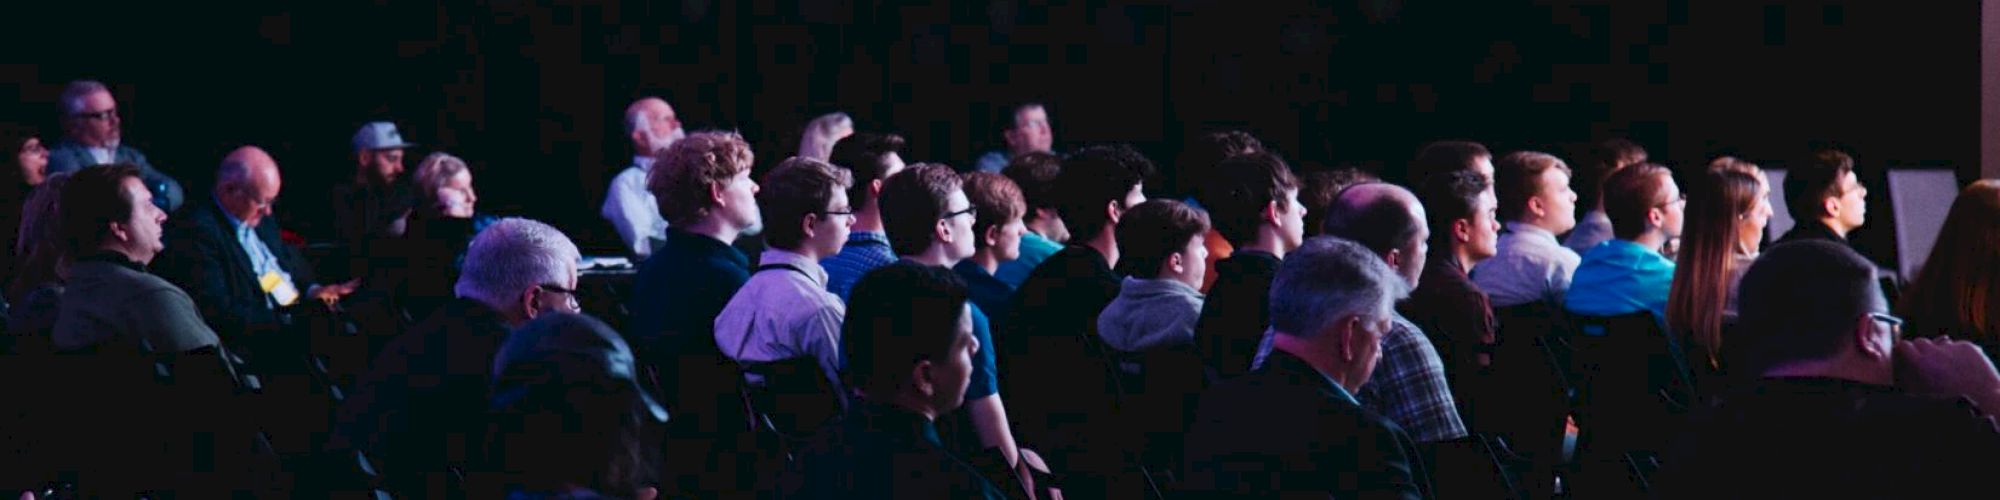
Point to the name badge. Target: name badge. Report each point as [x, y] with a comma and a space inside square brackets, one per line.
[282, 291]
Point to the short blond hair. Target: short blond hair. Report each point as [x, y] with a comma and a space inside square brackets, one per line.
[685, 172]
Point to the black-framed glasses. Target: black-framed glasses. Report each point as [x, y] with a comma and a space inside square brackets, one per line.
[967, 211]
[830, 213]
[1895, 323]
[567, 292]
[1683, 198]
[99, 115]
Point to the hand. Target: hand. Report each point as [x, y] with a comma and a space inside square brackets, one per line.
[1948, 368]
[332, 293]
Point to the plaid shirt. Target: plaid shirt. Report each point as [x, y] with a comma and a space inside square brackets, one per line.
[1409, 388]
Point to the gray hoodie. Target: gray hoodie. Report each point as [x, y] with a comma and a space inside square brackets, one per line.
[1150, 313]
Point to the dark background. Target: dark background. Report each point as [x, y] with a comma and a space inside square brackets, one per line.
[531, 94]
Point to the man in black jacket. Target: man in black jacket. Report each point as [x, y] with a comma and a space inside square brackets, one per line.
[225, 253]
[1292, 427]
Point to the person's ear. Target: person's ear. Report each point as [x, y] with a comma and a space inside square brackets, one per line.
[639, 136]
[528, 302]
[1176, 264]
[806, 226]
[1461, 230]
[1394, 258]
[715, 190]
[1872, 340]
[119, 230]
[992, 236]
[920, 379]
[942, 231]
[1113, 212]
[1273, 212]
[1656, 217]
[1830, 205]
[874, 189]
[1537, 208]
[1348, 330]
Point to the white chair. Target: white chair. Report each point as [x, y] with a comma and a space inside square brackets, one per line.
[1781, 216]
[1920, 198]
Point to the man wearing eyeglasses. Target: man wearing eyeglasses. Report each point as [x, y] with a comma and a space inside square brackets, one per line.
[1836, 404]
[93, 137]
[784, 311]
[1630, 273]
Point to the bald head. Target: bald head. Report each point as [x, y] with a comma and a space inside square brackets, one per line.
[247, 184]
[1385, 218]
[652, 124]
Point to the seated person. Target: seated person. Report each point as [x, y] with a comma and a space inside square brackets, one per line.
[1842, 408]
[227, 254]
[910, 346]
[1953, 294]
[1291, 428]
[1025, 129]
[784, 311]
[1532, 194]
[1826, 198]
[1035, 174]
[113, 231]
[1627, 273]
[376, 200]
[418, 268]
[569, 418]
[1607, 158]
[94, 135]
[870, 159]
[1452, 311]
[1256, 207]
[1164, 246]
[998, 232]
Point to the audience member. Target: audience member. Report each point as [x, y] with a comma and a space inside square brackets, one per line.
[1025, 129]
[1412, 391]
[1629, 274]
[822, 133]
[569, 416]
[1606, 158]
[1953, 294]
[921, 210]
[1035, 173]
[629, 204]
[1844, 407]
[784, 311]
[1443, 157]
[911, 349]
[418, 411]
[31, 163]
[1825, 198]
[1451, 311]
[1292, 427]
[1533, 197]
[1317, 190]
[93, 135]
[1726, 212]
[228, 254]
[1200, 164]
[1256, 206]
[703, 185]
[1061, 381]
[870, 159]
[112, 230]
[35, 287]
[1161, 242]
[997, 229]
[376, 202]
[417, 270]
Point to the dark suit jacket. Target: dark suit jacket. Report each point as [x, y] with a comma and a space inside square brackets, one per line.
[1812, 230]
[204, 258]
[1286, 431]
[70, 156]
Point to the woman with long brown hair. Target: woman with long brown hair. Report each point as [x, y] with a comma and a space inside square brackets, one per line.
[1954, 295]
[1728, 206]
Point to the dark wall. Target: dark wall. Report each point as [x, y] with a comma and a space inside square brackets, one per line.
[531, 94]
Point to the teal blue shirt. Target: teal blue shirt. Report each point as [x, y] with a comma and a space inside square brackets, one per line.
[1034, 250]
[1619, 277]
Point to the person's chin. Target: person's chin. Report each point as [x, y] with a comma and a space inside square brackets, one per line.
[755, 228]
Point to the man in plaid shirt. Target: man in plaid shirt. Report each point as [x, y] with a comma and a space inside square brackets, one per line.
[1409, 385]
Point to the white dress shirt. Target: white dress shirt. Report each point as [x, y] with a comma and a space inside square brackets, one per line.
[633, 210]
[1530, 267]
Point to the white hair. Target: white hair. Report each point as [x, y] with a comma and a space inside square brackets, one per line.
[822, 133]
[74, 94]
[512, 256]
[1327, 279]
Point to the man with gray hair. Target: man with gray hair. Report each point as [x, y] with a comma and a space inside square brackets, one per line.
[1293, 425]
[422, 400]
[1412, 391]
[93, 136]
[632, 210]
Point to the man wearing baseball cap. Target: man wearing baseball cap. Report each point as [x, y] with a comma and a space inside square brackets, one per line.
[375, 202]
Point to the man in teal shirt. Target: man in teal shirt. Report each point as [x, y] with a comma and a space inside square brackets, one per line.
[1629, 273]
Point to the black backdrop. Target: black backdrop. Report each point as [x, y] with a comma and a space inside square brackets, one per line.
[530, 93]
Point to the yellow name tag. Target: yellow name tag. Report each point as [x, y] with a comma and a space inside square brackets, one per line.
[281, 289]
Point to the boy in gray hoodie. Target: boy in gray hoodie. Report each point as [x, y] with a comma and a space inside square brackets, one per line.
[1165, 260]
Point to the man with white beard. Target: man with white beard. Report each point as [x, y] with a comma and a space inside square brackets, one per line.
[633, 211]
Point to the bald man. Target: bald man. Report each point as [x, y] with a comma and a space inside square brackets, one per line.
[227, 254]
[633, 211]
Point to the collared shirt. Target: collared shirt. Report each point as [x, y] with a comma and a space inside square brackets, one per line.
[1531, 267]
[783, 312]
[1620, 277]
[103, 155]
[1408, 385]
[1034, 249]
[863, 252]
[634, 211]
[262, 260]
[1593, 228]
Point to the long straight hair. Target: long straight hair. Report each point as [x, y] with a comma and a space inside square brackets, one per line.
[1700, 292]
[1954, 292]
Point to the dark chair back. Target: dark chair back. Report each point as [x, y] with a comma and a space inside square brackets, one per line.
[1158, 391]
[790, 398]
[1634, 380]
[1471, 467]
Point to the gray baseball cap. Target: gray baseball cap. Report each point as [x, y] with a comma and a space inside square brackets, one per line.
[379, 135]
